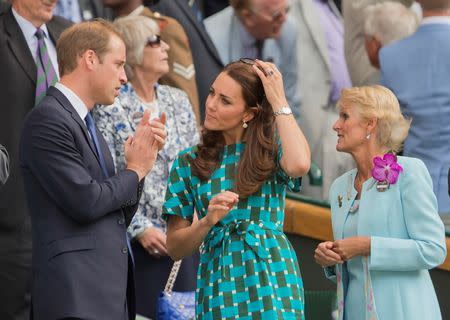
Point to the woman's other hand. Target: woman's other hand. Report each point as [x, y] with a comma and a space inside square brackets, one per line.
[351, 247]
[153, 240]
[159, 130]
[325, 256]
[219, 206]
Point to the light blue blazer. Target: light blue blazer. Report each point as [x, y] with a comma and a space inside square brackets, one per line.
[407, 238]
[417, 70]
[223, 29]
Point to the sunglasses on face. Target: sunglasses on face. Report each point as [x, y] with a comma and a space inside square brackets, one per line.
[154, 41]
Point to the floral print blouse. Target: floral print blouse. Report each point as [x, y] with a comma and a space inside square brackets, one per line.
[119, 120]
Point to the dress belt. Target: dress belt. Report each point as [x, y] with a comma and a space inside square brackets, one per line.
[249, 231]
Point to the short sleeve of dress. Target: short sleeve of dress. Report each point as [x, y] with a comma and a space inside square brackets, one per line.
[179, 200]
[293, 184]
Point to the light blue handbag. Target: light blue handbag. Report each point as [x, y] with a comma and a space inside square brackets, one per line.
[175, 305]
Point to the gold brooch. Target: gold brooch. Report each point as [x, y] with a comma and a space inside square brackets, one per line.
[340, 201]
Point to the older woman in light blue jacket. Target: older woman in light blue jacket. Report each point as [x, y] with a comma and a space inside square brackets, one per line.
[386, 226]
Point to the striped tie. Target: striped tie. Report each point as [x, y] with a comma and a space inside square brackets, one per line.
[46, 75]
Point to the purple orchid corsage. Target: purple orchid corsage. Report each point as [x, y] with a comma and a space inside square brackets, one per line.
[386, 171]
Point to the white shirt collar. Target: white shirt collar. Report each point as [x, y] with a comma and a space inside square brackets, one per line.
[137, 11]
[76, 102]
[435, 20]
[28, 29]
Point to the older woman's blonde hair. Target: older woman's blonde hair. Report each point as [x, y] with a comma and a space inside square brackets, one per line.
[135, 31]
[379, 102]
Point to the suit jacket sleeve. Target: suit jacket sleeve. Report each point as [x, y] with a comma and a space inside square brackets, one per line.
[4, 165]
[50, 152]
[425, 248]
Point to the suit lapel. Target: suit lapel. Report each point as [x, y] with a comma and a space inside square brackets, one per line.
[52, 91]
[342, 202]
[109, 162]
[19, 47]
[312, 21]
[234, 41]
[54, 31]
[200, 29]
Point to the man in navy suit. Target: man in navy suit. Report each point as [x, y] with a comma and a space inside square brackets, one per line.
[79, 206]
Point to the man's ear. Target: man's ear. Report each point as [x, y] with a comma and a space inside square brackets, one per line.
[377, 47]
[246, 17]
[373, 46]
[89, 59]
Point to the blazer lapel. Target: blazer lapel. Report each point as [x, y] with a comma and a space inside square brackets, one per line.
[52, 91]
[342, 203]
[19, 46]
[200, 28]
[109, 163]
[312, 21]
[234, 41]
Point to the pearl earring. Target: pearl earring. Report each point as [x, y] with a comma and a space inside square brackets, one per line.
[244, 125]
[368, 136]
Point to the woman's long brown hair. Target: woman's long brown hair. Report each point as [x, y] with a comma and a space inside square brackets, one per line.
[257, 163]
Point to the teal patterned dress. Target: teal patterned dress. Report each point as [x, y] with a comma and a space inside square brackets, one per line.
[248, 269]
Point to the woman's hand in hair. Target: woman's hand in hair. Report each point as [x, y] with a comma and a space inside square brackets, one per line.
[219, 206]
[272, 81]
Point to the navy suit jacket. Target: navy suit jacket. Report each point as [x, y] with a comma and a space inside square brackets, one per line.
[81, 265]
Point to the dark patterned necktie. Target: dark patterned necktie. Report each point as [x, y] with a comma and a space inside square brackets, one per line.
[259, 44]
[90, 124]
[46, 75]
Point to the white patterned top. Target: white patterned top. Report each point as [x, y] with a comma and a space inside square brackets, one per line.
[119, 120]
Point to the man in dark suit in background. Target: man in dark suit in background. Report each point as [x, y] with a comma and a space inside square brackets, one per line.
[79, 206]
[207, 61]
[18, 52]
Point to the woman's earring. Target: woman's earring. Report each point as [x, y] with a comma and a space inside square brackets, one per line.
[368, 136]
[244, 124]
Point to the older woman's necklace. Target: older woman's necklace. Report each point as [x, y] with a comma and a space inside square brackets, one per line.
[358, 187]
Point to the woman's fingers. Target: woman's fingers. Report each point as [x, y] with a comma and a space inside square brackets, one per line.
[325, 256]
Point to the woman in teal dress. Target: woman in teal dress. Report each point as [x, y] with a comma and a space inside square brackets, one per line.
[252, 150]
[386, 226]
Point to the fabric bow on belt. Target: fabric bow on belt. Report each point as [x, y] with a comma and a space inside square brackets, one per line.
[248, 231]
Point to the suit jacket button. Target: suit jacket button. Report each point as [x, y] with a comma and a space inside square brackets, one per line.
[121, 221]
[124, 250]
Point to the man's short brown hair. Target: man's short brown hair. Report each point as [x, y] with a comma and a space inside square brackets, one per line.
[90, 35]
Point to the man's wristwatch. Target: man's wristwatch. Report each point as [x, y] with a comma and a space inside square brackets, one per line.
[283, 111]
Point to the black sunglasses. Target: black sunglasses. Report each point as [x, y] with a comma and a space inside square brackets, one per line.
[154, 41]
[248, 61]
[251, 62]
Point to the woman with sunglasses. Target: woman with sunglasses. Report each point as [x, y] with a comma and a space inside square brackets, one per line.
[236, 179]
[146, 63]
